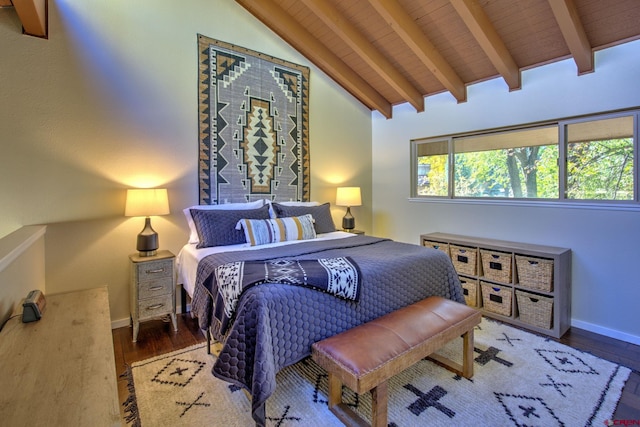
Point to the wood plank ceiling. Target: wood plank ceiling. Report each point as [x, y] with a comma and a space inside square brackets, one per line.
[388, 52]
[32, 14]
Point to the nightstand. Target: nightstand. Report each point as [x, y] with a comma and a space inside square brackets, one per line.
[153, 288]
[354, 231]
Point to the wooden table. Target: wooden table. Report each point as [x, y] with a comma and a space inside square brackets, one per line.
[60, 370]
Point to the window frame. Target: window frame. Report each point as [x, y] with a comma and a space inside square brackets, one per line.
[414, 168]
[562, 126]
[563, 129]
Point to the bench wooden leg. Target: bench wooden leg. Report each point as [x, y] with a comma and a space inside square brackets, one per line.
[466, 369]
[348, 416]
[467, 354]
[379, 400]
[335, 391]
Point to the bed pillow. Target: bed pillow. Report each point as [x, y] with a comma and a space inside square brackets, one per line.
[293, 203]
[193, 233]
[218, 227]
[273, 214]
[321, 215]
[273, 230]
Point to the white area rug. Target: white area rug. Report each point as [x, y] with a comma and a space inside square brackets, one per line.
[521, 379]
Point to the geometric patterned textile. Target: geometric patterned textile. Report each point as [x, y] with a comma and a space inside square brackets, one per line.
[253, 125]
[338, 276]
[273, 230]
[520, 379]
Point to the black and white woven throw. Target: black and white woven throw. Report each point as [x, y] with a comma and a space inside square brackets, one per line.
[338, 276]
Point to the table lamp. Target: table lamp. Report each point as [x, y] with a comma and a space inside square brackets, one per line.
[348, 196]
[147, 202]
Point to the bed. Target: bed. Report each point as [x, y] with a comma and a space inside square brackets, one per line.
[275, 324]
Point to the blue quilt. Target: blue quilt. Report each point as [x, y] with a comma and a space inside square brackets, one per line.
[276, 324]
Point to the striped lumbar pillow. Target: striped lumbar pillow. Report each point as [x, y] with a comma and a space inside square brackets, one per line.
[263, 231]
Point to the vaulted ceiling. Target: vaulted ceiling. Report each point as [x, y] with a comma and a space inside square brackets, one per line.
[32, 14]
[388, 52]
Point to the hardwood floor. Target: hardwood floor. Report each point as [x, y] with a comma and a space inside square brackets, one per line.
[619, 352]
[157, 337]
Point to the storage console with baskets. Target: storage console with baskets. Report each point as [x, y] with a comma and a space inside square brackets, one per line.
[523, 284]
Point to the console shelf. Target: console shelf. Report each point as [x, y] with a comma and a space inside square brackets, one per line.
[523, 284]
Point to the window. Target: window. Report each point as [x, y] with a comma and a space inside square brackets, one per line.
[514, 164]
[587, 159]
[433, 169]
[600, 159]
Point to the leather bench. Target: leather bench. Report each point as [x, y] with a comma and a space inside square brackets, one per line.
[365, 357]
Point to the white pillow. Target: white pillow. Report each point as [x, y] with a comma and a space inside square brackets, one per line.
[263, 231]
[272, 213]
[300, 203]
[193, 232]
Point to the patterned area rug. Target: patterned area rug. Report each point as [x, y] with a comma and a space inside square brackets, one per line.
[521, 379]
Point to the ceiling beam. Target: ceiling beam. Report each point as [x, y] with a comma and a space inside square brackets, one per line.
[573, 32]
[410, 32]
[485, 34]
[324, 10]
[283, 24]
[33, 15]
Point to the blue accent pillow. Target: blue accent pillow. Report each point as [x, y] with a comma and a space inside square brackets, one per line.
[193, 233]
[264, 231]
[321, 215]
[218, 227]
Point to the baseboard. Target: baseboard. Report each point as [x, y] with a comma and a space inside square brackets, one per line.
[611, 333]
[121, 323]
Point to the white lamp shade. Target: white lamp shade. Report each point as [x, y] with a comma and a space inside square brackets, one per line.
[147, 202]
[348, 196]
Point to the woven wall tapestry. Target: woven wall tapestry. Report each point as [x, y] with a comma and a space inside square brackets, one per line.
[254, 116]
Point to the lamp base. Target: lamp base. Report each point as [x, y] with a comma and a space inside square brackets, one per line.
[348, 221]
[147, 243]
[147, 253]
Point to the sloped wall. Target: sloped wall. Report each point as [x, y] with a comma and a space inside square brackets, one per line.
[109, 102]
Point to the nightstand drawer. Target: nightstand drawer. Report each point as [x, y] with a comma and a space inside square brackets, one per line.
[152, 288]
[154, 307]
[155, 288]
[154, 270]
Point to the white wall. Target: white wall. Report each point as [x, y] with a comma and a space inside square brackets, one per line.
[110, 101]
[606, 285]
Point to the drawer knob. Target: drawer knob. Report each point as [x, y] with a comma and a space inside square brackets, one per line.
[155, 306]
[158, 270]
[155, 288]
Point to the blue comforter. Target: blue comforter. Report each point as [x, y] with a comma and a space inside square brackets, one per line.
[275, 324]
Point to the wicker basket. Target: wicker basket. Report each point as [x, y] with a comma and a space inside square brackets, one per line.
[535, 309]
[470, 290]
[535, 273]
[464, 259]
[441, 246]
[496, 265]
[496, 298]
